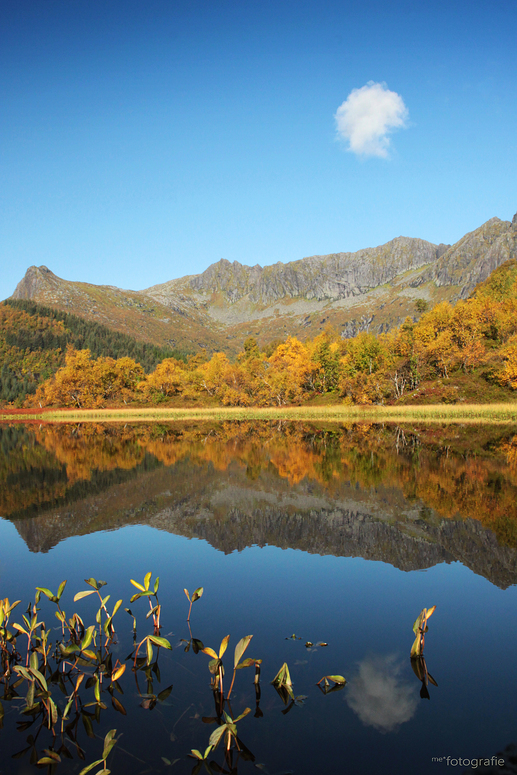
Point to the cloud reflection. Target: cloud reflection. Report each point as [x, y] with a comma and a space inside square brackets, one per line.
[378, 694]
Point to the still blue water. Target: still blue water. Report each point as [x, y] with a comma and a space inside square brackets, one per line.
[363, 609]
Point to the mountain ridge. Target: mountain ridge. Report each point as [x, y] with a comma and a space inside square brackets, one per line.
[370, 289]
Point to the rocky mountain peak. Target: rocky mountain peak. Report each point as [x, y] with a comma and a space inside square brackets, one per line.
[37, 279]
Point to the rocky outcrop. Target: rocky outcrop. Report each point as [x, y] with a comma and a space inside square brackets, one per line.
[373, 289]
[335, 276]
[37, 281]
[474, 257]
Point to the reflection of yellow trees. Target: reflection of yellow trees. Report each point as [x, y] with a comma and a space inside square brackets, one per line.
[93, 447]
[453, 485]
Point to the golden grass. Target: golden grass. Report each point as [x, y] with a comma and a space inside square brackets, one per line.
[449, 413]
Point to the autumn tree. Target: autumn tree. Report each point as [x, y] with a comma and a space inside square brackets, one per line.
[288, 373]
[167, 380]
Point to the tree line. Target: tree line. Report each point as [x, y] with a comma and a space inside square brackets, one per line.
[476, 335]
[34, 340]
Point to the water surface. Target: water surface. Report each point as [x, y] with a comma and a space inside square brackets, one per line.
[338, 534]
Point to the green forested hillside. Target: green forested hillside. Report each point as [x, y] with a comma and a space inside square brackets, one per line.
[34, 339]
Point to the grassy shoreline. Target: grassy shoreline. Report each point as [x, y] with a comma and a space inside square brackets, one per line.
[450, 413]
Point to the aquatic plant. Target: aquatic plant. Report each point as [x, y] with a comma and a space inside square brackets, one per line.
[109, 742]
[420, 628]
[145, 591]
[283, 684]
[195, 596]
[82, 660]
[216, 664]
[325, 683]
[420, 670]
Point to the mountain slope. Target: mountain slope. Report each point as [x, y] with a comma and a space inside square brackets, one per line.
[373, 289]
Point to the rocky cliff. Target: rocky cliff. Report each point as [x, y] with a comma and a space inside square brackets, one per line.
[374, 288]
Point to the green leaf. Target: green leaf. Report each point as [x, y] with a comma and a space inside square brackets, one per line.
[223, 646]
[20, 629]
[49, 759]
[68, 706]
[109, 742]
[213, 665]
[156, 585]
[137, 585]
[197, 594]
[91, 582]
[196, 754]
[282, 678]
[147, 579]
[97, 689]
[210, 652]
[416, 648]
[118, 706]
[244, 713]
[23, 671]
[46, 592]
[91, 766]
[164, 694]
[338, 679]
[158, 641]
[246, 663]
[88, 636]
[430, 611]
[61, 589]
[240, 648]
[105, 599]
[216, 735]
[80, 595]
[40, 678]
[418, 669]
[89, 731]
[187, 594]
[418, 622]
[149, 651]
[432, 679]
[53, 711]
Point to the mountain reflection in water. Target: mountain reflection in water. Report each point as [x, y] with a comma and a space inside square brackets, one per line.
[410, 497]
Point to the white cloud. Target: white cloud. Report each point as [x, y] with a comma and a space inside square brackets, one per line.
[379, 696]
[367, 116]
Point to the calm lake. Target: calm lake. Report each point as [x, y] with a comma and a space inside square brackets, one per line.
[299, 535]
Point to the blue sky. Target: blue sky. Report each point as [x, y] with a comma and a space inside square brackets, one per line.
[142, 141]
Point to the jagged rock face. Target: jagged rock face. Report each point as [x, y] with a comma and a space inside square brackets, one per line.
[475, 256]
[335, 276]
[37, 279]
[373, 289]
